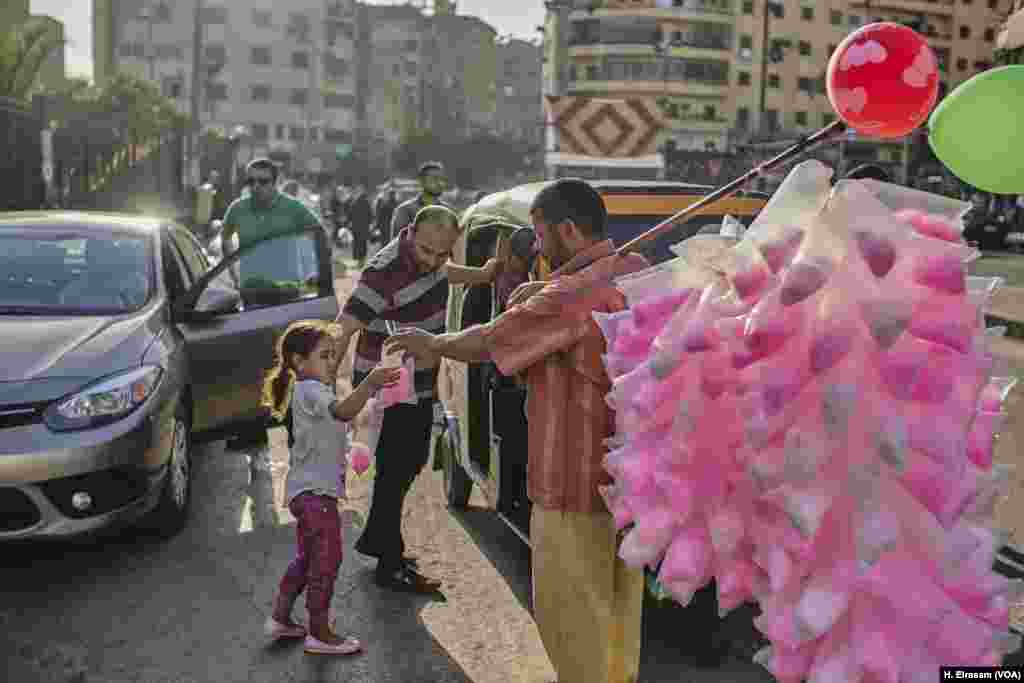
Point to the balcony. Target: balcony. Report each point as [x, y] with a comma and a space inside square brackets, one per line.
[720, 11]
[649, 88]
[933, 7]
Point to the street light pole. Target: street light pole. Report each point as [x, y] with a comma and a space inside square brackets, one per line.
[764, 65]
[194, 92]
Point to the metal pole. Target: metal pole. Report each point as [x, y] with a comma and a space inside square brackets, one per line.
[825, 134]
[764, 65]
[151, 48]
[195, 94]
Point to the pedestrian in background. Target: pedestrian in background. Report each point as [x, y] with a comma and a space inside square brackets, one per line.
[360, 217]
[257, 216]
[307, 355]
[383, 213]
[433, 182]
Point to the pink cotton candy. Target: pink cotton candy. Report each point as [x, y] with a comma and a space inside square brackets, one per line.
[751, 281]
[801, 281]
[359, 458]
[655, 312]
[943, 272]
[688, 557]
[994, 393]
[981, 437]
[886, 319]
[777, 254]
[877, 251]
[947, 320]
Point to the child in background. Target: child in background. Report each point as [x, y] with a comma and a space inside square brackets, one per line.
[316, 478]
[519, 254]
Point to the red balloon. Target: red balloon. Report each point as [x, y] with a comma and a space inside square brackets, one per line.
[883, 80]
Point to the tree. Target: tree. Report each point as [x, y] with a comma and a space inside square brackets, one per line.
[24, 49]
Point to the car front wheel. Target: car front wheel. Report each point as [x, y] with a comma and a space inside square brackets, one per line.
[171, 512]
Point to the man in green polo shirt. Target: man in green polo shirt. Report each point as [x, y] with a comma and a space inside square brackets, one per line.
[262, 214]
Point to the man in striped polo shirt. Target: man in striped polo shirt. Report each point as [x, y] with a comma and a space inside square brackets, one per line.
[406, 282]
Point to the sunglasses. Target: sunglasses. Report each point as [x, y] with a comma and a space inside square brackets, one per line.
[260, 181]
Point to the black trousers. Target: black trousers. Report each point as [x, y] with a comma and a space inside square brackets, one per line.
[402, 451]
[360, 235]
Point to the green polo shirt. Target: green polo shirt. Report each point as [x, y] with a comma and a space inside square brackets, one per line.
[285, 214]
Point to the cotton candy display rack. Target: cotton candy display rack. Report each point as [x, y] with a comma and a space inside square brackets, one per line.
[807, 416]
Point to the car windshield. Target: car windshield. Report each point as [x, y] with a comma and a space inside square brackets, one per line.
[73, 272]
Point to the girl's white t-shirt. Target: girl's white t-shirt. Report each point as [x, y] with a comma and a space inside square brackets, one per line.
[320, 439]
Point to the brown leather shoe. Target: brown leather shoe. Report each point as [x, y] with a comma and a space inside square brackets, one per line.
[407, 580]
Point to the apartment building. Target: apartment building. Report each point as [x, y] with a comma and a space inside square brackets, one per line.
[724, 72]
[286, 73]
[519, 113]
[1010, 39]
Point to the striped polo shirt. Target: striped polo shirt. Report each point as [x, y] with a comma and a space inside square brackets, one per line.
[391, 287]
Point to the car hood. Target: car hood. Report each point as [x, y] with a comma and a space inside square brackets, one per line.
[62, 348]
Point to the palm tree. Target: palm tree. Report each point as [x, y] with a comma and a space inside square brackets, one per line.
[24, 49]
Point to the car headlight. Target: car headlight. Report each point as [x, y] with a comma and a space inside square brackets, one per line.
[108, 400]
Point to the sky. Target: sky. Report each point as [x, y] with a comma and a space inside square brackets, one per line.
[518, 18]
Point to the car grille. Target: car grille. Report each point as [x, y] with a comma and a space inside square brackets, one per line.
[17, 511]
[109, 489]
[21, 414]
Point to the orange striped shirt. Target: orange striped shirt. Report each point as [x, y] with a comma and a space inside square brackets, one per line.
[552, 336]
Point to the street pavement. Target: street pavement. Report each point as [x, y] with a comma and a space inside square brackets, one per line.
[134, 609]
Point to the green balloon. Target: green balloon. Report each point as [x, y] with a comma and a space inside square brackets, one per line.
[978, 130]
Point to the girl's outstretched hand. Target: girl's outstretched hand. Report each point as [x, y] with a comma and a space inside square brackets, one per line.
[384, 377]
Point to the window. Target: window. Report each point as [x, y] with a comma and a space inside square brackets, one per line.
[296, 133]
[835, 17]
[990, 35]
[260, 56]
[299, 27]
[215, 54]
[805, 84]
[281, 270]
[743, 118]
[412, 45]
[213, 15]
[260, 131]
[396, 70]
[172, 88]
[807, 13]
[410, 68]
[260, 93]
[800, 118]
[773, 81]
[300, 60]
[743, 78]
[748, 7]
[961, 64]
[334, 67]
[965, 32]
[746, 42]
[169, 52]
[337, 100]
[279, 131]
[162, 13]
[217, 91]
[335, 135]
[298, 97]
[262, 18]
[805, 48]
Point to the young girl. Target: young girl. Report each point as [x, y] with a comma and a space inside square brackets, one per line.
[316, 480]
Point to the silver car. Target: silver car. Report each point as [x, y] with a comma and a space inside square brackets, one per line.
[121, 346]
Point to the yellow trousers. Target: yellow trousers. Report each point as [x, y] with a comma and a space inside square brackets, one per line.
[586, 602]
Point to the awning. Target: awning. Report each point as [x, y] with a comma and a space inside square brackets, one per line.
[1012, 34]
[562, 159]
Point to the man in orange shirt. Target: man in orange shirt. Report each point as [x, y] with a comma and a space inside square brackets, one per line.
[587, 603]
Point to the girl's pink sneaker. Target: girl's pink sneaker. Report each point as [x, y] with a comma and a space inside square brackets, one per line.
[347, 646]
[276, 630]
